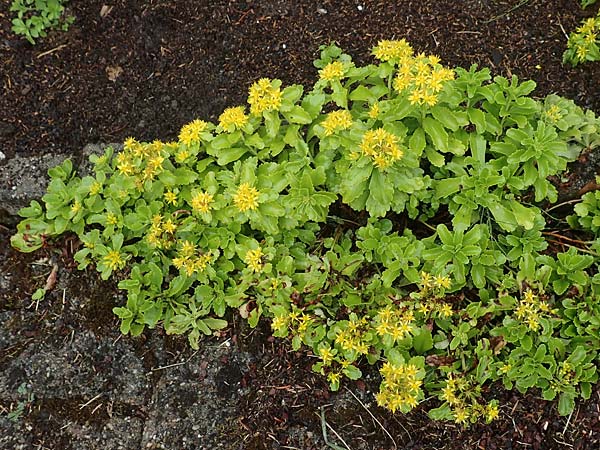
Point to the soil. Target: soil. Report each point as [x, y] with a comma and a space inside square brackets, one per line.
[145, 68]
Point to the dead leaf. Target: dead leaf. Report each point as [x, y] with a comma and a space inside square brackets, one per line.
[244, 312]
[113, 72]
[51, 280]
[105, 10]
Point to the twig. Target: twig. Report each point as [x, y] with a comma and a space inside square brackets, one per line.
[569, 202]
[55, 49]
[175, 364]
[560, 236]
[562, 28]
[507, 12]
[324, 426]
[378, 422]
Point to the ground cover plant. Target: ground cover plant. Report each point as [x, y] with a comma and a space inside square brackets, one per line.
[447, 275]
[35, 17]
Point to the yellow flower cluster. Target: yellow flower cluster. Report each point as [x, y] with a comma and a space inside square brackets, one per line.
[114, 260]
[191, 133]
[254, 259]
[336, 121]
[553, 113]
[392, 50]
[161, 232]
[382, 147]
[434, 282]
[422, 78]
[586, 37]
[332, 71]
[188, 261]
[351, 338]
[233, 119]
[142, 160]
[246, 197]
[531, 309]
[263, 96]
[395, 323]
[400, 388]
[461, 394]
[201, 201]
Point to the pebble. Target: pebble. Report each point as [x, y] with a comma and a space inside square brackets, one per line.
[2, 156]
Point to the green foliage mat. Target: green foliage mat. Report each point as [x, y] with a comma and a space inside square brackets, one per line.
[446, 273]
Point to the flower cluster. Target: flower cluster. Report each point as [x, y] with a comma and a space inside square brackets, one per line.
[462, 394]
[201, 201]
[192, 132]
[530, 309]
[392, 50]
[395, 323]
[264, 95]
[401, 387]
[332, 71]
[352, 338]
[254, 259]
[246, 197]
[161, 232]
[422, 78]
[336, 121]
[583, 45]
[188, 261]
[382, 147]
[233, 119]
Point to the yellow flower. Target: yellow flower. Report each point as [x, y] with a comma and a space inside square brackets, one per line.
[445, 310]
[201, 201]
[461, 415]
[233, 118]
[169, 226]
[95, 188]
[279, 322]
[246, 197]
[332, 71]
[113, 260]
[156, 162]
[253, 259]
[337, 120]
[75, 207]
[182, 155]
[334, 377]
[191, 132]
[263, 96]
[442, 282]
[326, 355]
[374, 111]
[392, 50]
[111, 219]
[491, 412]
[171, 197]
[505, 368]
[130, 144]
[187, 249]
[426, 280]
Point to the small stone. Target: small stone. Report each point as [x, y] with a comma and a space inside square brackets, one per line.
[321, 10]
[2, 156]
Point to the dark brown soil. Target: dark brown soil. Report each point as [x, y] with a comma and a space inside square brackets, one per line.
[178, 60]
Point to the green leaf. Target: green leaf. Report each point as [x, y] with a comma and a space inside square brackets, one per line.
[437, 133]
[215, 324]
[566, 404]
[298, 115]
[417, 142]
[352, 372]
[381, 195]
[423, 341]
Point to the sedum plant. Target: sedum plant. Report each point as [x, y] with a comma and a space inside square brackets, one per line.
[35, 17]
[583, 44]
[391, 214]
